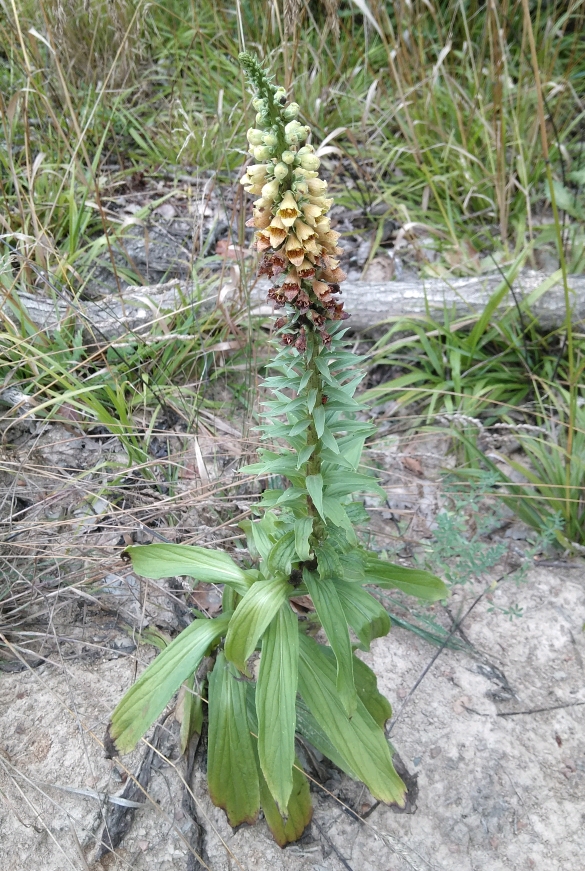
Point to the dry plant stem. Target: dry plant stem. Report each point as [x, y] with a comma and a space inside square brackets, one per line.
[562, 259]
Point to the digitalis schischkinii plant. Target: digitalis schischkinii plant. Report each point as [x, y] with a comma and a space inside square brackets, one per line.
[271, 681]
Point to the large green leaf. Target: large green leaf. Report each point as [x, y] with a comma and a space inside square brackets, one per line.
[359, 740]
[367, 687]
[298, 812]
[366, 684]
[328, 562]
[252, 616]
[311, 731]
[147, 699]
[189, 712]
[232, 773]
[330, 612]
[208, 566]
[275, 703]
[415, 582]
[365, 615]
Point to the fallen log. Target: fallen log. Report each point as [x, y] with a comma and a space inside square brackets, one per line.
[137, 309]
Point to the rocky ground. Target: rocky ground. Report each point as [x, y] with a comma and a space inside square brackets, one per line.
[492, 736]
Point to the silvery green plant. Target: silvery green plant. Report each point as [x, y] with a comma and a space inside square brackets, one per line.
[271, 680]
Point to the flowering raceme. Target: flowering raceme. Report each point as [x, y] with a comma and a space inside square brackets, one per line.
[293, 231]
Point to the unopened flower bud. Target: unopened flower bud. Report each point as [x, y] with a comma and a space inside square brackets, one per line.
[310, 161]
[270, 190]
[258, 104]
[301, 187]
[262, 152]
[257, 172]
[269, 139]
[293, 128]
[254, 136]
[288, 157]
[317, 186]
[279, 94]
[291, 111]
[306, 149]
[281, 171]
[261, 119]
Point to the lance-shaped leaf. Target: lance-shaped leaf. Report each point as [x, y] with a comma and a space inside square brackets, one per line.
[208, 566]
[232, 773]
[251, 618]
[339, 484]
[365, 615]
[319, 419]
[298, 812]
[189, 712]
[414, 582]
[275, 703]
[309, 728]
[366, 683]
[314, 485]
[303, 530]
[155, 687]
[359, 740]
[281, 555]
[329, 564]
[332, 618]
[335, 511]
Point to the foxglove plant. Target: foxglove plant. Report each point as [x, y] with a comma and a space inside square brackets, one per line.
[302, 541]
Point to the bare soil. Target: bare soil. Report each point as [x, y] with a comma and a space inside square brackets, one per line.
[494, 736]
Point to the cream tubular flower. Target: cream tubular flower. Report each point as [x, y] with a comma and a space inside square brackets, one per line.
[294, 250]
[288, 211]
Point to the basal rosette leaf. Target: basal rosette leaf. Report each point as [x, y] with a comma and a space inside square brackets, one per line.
[209, 566]
[276, 692]
[299, 811]
[414, 582]
[364, 614]
[359, 741]
[366, 683]
[251, 618]
[155, 687]
[232, 773]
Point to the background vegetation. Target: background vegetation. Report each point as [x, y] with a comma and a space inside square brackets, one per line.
[432, 119]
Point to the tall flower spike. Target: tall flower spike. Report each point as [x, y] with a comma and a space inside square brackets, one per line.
[291, 217]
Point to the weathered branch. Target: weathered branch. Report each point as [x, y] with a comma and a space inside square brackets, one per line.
[138, 308]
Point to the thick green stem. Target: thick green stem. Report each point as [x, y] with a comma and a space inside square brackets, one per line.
[314, 462]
